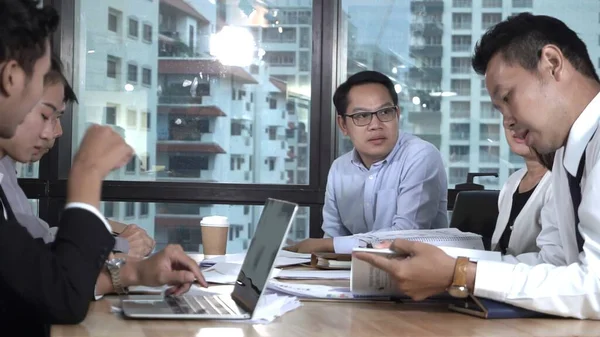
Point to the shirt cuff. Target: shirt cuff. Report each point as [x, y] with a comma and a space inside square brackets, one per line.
[345, 244]
[92, 209]
[97, 297]
[490, 279]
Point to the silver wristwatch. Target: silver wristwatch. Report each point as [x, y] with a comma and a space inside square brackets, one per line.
[114, 268]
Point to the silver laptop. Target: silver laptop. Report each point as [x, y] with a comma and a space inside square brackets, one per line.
[273, 226]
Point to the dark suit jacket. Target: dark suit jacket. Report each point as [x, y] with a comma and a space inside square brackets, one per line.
[49, 284]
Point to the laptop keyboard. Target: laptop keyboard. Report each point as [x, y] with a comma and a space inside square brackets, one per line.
[210, 305]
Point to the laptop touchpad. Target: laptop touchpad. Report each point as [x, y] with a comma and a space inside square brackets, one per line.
[147, 307]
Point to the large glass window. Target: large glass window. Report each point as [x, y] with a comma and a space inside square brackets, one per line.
[404, 40]
[178, 223]
[213, 82]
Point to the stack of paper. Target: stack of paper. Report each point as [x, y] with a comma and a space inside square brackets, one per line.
[227, 273]
[313, 291]
[284, 258]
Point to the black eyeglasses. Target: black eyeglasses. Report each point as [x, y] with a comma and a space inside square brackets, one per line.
[365, 118]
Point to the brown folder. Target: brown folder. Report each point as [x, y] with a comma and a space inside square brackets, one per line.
[330, 260]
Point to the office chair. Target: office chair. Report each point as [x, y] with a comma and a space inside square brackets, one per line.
[476, 212]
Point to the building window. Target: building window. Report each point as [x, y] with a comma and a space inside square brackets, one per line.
[461, 87]
[272, 130]
[110, 115]
[522, 3]
[131, 118]
[133, 28]
[281, 58]
[461, 3]
[147, 34]
[272, 161]
[146, 120]
[109, 209]
[112, 66]
[461, 20]
[132, 73]
[491, 4]
[490, 19]
[130, 209]
[461, 65]
[147, 76]
[114, 18]
[144, 208]
[461, 43]
[130, 168]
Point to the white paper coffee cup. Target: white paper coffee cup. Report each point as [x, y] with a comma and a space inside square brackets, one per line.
[214, 235]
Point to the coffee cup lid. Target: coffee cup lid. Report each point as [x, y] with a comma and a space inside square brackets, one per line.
[215, 220]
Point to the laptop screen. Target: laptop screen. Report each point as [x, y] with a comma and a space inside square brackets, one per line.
[274, 223]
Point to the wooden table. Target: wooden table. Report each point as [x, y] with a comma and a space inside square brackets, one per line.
[329, 319]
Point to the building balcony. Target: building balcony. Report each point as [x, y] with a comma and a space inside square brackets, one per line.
[186, 175]
[176, 137]
[189, 146]
[167, 99]
[196, 66]
[427, 28]
[203, 111]
[425, 73]
[425, 117]
[429, 6]
[427, 50]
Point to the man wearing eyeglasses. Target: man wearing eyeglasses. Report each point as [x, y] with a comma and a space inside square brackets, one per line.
[390, 180]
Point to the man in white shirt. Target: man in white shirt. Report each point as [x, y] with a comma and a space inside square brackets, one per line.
[540, 77]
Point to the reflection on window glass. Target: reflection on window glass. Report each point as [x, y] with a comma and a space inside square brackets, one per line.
[196, 85]
[425, 48]
[180, 223]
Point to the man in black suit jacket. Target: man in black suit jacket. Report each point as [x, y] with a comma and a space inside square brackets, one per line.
[42, 284]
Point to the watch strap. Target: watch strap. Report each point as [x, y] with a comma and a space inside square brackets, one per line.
[114, 269]
[460, 272]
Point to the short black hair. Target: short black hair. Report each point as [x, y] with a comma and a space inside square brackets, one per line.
[340, 97]
[24, 31]
[56, 75]
[520, 38]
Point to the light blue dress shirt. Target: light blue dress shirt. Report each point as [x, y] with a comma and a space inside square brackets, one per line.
[406, 190]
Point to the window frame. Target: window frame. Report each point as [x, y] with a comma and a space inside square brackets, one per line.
[51, 186]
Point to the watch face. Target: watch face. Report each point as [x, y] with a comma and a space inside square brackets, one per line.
[116, 262]
[458, 291]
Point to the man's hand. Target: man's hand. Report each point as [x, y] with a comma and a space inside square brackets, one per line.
[171, 266]
[311, 246]
[140, 244]
[101, 151]
[421, 270]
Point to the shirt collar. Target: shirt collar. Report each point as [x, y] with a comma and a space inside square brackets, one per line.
[580, 135]
[358, 162]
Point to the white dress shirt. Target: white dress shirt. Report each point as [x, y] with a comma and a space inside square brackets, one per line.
[566, 282]
[528, 223]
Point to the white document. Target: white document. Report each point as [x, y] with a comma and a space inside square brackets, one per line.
[311, 274]
[447, 237]
[366, 279]
[227, 273]
[284, 258]
[314, 291]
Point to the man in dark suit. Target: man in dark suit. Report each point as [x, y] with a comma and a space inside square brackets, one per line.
[42, 284]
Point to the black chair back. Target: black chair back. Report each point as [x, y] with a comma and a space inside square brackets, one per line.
[476, 212]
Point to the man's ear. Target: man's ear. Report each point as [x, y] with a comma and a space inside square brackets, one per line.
[341, 122]
[552, 62]
[12, 78]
